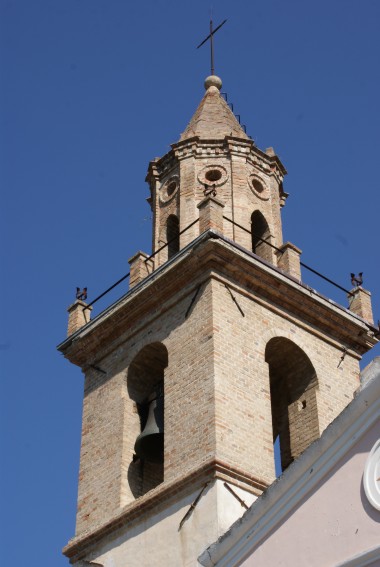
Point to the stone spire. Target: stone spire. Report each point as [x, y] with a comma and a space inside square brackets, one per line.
[213, 117]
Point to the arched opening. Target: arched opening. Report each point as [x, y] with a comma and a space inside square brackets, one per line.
[145, 382]
[172, 235]
[260, 236]
[293, 385]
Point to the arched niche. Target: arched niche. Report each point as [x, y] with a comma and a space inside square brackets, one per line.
[293, 387]
[146, 373]
[172, 235]
[261, 236]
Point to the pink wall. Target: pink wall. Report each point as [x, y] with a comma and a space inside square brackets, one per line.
[332, 524]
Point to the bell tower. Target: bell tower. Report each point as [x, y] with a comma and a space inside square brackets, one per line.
[217, 351]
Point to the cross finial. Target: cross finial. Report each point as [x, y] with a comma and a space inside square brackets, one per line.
[211, 38]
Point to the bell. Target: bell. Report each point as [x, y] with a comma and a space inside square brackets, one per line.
[149, 444]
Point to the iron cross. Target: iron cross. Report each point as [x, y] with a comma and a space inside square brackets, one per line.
[211, 38]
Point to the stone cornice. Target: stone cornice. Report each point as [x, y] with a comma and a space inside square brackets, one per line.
[366, 558]
[196, 147]
[161, 497]
[212, 255]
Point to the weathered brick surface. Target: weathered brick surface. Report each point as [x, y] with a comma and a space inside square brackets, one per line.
[243, 407]
[210, 214]
[217, 395]
[241, 168]
[110, 419]
[214, 153]
[79, 315]
[140, 267]
[213, 119]
[289, 260]
[250, 353]
[360, 303]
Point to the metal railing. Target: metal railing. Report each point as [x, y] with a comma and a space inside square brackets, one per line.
[282, 251]
[146, 260]
[259, 238]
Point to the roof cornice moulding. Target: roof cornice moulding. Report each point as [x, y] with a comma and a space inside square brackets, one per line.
[211, 253]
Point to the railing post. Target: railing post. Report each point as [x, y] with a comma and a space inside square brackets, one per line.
[289, 259]
[79, 315]
[210, 214]
[359, 301]
[140, 268]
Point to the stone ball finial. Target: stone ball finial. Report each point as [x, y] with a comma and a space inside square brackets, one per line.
[213, 81]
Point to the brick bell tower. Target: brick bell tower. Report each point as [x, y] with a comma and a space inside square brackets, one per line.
[217, 350]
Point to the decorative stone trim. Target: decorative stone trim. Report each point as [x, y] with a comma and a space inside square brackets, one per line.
[162, 496]
[368, 557]
[287, 295]
[213, 175]
[258, 186]
[371, 476]
[169, 189]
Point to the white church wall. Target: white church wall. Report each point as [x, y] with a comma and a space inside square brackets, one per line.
[332, 523]
[159, 540]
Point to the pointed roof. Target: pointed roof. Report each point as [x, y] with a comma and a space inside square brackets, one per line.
[213, 117]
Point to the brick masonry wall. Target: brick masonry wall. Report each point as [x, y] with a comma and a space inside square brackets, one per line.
[101, 447]
[289, 260]
[111, 423]
[217, 395]
[303, 418]
[188, 202]
[360, 303]
[243, 408]
[234, 189]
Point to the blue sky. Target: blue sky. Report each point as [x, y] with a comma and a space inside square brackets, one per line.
[90, 92]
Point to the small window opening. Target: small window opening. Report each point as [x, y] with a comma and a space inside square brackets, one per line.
[172, 235]
[171, 188]
[260, 236]
[257, 185]
[213, 175]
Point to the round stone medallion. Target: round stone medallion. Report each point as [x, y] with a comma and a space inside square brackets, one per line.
[169, 189]
[213, 176]
[258, 187]
[371, 476]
